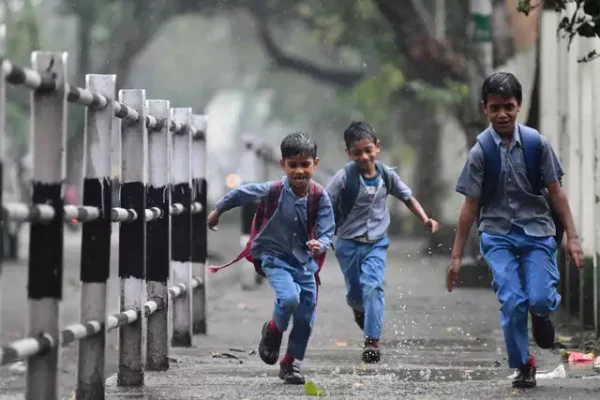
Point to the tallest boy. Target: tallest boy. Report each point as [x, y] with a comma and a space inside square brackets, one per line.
[502, 182]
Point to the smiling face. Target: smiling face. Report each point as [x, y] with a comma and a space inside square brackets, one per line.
[502, 113]
[299, 170]
[364, 152]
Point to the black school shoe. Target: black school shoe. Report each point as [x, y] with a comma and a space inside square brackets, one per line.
[290, 374]
[542, 330]
[371, 354]
[525, 378]
[270, 342]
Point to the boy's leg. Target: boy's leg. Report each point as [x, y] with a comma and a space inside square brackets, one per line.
[498, 251]
[372, 277]
[541, 279]
[286, 301]
[349, 254]
[301, 330]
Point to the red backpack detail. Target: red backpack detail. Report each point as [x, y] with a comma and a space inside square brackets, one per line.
[266, 209]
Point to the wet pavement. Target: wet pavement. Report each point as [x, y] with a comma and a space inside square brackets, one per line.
[436, 345]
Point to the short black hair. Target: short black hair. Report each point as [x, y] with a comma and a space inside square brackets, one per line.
[359, 130]
[502, 84]
[298, 143]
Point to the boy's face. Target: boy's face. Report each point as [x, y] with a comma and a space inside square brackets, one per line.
[502, 113]
[364, 152]
[299, 170]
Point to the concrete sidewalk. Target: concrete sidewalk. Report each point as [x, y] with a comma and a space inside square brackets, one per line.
[436, 345]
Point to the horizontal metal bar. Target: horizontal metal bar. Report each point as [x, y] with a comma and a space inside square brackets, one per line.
[26, 347]
[22, 212]
[36, 81]
[81, 213]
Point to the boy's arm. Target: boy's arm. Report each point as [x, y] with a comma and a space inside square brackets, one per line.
[243, 194]
[401, 191]
[325, 222]
[469, 184]
[335, 186]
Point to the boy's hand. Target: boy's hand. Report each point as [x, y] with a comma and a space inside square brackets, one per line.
[575, 252]
[213, 220]
[453, 270]
[314, 246]
[432, 224]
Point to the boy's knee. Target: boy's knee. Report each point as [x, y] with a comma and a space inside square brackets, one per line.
[290, 301]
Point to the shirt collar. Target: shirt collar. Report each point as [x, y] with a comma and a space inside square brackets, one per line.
[516, 139]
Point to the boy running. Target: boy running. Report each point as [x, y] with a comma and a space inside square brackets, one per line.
[286, 251]
[504, 182]
[358, 193]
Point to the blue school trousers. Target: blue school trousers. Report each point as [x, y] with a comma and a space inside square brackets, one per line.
[295, 295]
[525, 278]
[363, 267]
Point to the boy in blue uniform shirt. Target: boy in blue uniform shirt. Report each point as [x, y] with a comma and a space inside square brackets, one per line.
[503, 182]
[359, 192]
[287, 252]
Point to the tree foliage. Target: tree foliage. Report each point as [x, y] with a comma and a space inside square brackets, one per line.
[583, 22]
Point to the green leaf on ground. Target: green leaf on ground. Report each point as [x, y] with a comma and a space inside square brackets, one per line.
[311, 389]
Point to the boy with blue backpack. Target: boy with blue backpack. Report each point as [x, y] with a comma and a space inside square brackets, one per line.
[358, 193]
[291, 231]
[511, 184]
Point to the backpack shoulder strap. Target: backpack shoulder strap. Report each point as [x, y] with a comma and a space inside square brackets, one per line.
[351, 188]
[532, 153]
[384, 172]
[272, 200]
[492, 164]
[312, 206]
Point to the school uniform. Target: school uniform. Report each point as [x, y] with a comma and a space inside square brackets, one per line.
[516, 235]
[362, 243]
[286, 261]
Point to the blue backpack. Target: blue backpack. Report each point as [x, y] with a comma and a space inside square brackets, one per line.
[349, 192]
[532, 145]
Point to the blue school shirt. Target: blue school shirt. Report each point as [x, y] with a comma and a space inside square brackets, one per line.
[513, 202]
[285, 235]
[369, 218]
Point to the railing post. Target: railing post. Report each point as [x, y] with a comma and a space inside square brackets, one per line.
[181, 242]
[158, 256]
[132, 240]
[596, 254]
[2, 149]
[199, 227]
[95, 239]
[49, 117]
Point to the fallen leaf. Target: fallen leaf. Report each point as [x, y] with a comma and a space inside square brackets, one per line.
[311, 389]
[341, 344]
[564, 338]
[357, 385]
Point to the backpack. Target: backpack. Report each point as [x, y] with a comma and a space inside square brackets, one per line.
[532, 145]
[350, 190]
[266, 209]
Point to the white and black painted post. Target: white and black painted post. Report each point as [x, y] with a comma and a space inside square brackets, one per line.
[95, 238]
[199, 223]
[158, 256]
[48, 124]
[2, 150]
[181, 241]
[132, 240]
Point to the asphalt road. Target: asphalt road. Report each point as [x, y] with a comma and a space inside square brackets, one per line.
[436, 345]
